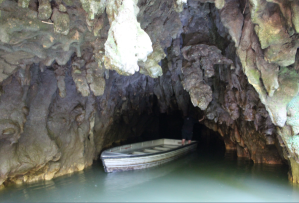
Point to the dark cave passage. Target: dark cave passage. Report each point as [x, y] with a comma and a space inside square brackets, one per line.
[170, 126]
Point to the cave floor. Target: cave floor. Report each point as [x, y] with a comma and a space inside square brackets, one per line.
[200, 176]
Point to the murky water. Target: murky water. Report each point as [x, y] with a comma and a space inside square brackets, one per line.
[200, 176]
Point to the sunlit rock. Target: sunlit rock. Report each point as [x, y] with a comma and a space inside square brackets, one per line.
[293, 176]
[127, 43]
[270, 28]
[179, 4]
[219, 4]
[293, 115]
[277, 105]
[151, 67]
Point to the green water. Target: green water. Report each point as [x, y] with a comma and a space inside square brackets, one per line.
[200, 176]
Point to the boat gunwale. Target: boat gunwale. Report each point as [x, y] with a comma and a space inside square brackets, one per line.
[150, 154]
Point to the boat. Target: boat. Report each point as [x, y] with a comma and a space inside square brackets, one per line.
[144, 154]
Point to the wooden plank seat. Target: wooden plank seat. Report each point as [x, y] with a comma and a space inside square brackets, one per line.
[137, 153]
[161, 148]
[171, 146]
[151, 151]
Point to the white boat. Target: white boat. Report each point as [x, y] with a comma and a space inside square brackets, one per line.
[144, 154]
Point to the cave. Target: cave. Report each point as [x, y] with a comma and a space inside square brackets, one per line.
[80, 76]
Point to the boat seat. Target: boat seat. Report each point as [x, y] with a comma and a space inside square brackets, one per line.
[137, 153]
[171, 146]
[151, 150]
[161, 148]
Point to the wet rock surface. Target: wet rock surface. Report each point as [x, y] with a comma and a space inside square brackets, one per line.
[79, 76]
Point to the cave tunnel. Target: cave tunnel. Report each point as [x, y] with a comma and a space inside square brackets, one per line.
[78, 77]
[170, 126]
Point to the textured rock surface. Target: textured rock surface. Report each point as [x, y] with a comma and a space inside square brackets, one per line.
[127, 43]
[61, 101]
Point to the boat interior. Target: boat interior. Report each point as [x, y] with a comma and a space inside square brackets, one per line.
[142, 148]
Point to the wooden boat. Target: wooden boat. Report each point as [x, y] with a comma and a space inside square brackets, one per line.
[144, 154]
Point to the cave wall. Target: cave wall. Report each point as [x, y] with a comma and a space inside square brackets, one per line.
[212, 74]
[78, 76]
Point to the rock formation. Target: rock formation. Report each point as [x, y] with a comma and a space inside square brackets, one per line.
[78, 76]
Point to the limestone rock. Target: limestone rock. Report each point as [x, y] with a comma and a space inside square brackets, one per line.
[127, 43]
[93, 7]
[61, 22]
[269, 75]
[232, 18]
[219, 4]
[44, 10]
[270, 29]
[201, 96]
[7, 69]
[179, 4]
[293, 177]
[79, 76]
[95, 78]
[62, 8]
[151, 67]
[293, 115]
[288, 89]
[283, 55]
[295, 15]
[208, 55]
[23, 3]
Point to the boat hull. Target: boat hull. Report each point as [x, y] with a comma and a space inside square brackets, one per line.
[116, 164]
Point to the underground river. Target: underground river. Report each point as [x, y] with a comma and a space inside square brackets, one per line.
[207, 174]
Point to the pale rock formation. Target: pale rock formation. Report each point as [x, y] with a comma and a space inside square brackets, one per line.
[151, 67]
[179, 4]
[127, 43]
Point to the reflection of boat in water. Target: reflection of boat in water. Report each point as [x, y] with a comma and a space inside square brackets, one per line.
[118, 182]
[144, 154]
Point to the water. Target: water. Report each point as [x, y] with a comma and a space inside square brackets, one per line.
[200, 176]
